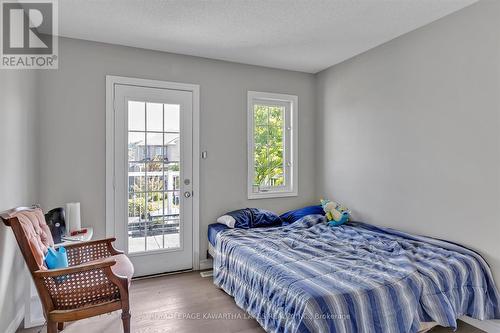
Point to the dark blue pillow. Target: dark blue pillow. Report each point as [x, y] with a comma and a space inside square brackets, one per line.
[296, 214]
[254, 218]
[264, 218]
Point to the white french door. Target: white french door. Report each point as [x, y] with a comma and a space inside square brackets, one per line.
[153, 177]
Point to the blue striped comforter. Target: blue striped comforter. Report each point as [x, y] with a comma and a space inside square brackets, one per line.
[310, 277]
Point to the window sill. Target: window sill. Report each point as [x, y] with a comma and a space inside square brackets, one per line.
[266, 195]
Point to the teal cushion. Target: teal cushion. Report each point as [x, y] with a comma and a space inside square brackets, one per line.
[56, 258]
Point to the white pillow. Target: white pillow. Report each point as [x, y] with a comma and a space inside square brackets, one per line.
[227, 220]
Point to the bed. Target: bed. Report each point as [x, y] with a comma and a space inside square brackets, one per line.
[310, 277]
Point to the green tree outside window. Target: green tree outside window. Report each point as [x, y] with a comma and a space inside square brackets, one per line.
[268, 145]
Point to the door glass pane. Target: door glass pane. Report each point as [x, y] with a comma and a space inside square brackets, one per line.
[136, 146]
[135, 177]
[172, 148]
[153, 176]
[154, 147]
[171, 220]
[154, 241]
[154, 116]
[136, 216]
[136, 116]
[172, 114]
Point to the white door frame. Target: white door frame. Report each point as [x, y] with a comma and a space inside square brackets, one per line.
[111, 81]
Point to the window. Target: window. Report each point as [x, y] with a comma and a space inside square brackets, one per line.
[272, 145]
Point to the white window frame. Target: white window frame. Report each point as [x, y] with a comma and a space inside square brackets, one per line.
[291, 103]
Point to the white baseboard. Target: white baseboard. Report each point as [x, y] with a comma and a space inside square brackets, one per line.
[14, 324]
[490, 326]
[206, 264]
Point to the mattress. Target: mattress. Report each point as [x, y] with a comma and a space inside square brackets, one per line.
[213, 230]
[211, 250]
[310, 277]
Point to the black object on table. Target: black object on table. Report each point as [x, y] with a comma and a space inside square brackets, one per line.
[56, 221]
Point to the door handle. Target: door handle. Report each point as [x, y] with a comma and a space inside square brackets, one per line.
[187, 194]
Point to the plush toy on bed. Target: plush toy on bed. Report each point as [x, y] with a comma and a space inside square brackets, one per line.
[336, 214]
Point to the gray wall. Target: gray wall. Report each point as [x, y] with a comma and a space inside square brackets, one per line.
[72, 126]
[18, 132]
[409, 132]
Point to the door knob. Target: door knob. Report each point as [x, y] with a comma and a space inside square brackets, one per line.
[187, 194]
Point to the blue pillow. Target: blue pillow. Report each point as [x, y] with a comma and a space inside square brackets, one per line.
[296, 214]
[254, 218]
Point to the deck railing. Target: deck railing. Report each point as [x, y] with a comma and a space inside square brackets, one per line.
[156, 224]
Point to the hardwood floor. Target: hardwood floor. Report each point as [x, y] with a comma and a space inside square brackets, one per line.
[182, 303]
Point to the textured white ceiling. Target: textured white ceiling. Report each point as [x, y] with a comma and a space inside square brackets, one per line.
[301, 35]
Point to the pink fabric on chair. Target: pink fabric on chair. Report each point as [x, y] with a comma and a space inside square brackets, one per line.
[37, 233]
[123, 267]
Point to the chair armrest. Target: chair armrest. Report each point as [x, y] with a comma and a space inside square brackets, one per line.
[79, 253]
[74, 269]
[107, 241]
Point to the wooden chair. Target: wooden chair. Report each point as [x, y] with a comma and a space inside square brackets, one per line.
[96, 281]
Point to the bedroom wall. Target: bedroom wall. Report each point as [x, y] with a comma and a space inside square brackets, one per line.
[72, 126]
[18, 133]
[409, 132]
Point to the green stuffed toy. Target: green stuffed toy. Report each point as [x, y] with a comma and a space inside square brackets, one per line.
[336, 214]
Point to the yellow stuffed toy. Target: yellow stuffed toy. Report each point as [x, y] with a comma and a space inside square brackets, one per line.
[336, 214]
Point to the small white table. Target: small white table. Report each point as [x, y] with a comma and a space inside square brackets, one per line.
[33, 311]
[78, 238]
